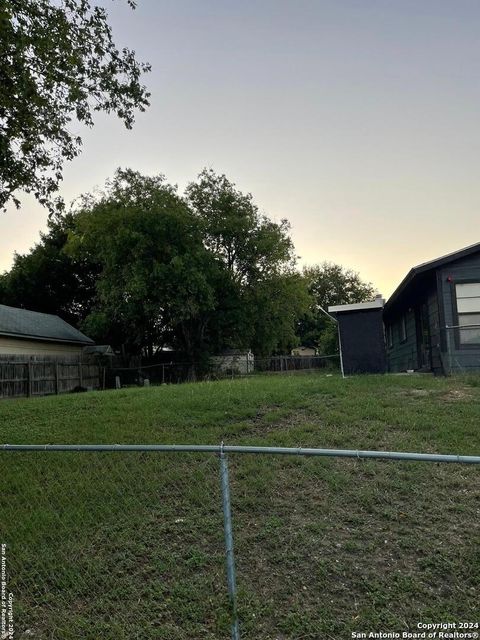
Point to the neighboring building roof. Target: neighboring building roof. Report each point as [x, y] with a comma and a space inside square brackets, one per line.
[429, 266]
[21, 323]
[303, 349]
[357, 306]
[99, 350]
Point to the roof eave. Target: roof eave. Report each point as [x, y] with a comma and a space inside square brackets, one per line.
[403, 284]
[429, 266]
[24, 336]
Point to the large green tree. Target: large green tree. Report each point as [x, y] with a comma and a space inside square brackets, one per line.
[46, 279]
[58, 64]
[329, 284]
[139, 266]
[259, 292]
[154, 281]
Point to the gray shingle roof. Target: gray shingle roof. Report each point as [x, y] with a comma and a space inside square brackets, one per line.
[21, 323]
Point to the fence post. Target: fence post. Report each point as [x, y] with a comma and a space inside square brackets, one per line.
[449, 348]
[29, 378]
[230, 559]
[56, 378]
[340, 350]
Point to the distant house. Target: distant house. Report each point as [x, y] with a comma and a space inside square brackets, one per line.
[31, 333]
[234, 361]
[304, 351]
[99, 351]
[432, 320]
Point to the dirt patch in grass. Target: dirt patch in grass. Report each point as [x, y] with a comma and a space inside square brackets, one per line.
[269, 420]
[415, 393]
[456, 395]
[419, 393]
[450, 395]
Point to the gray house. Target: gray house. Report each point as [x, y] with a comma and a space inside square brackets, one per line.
[432, 320]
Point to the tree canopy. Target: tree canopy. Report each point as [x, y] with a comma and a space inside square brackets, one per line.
[329, 284]
[257, 278]
[141, 266]
[154, 282]
[58, 63]
[48, 280]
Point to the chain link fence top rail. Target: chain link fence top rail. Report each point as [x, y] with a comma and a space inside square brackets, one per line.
[128, 541]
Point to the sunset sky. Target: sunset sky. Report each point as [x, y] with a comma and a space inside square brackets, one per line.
[358, 120]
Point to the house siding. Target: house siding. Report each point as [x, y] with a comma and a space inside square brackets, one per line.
[456, 359]
[18, 346]
[435, 333]
[402, 355]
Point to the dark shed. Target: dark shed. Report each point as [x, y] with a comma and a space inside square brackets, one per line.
[361, 336]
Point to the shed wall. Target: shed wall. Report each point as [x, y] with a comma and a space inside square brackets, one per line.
[239, 363]
[363, 342]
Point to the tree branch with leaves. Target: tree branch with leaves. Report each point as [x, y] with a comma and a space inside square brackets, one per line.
[58, 64]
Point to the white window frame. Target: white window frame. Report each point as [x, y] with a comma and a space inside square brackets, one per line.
[467, 304]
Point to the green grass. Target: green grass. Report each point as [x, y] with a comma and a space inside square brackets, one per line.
[121, 546]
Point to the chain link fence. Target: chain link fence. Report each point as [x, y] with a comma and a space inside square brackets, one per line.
[178, 372]
[115, 546]
[118, 542]
[462, 349]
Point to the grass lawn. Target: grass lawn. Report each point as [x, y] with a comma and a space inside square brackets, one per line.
[115, 546]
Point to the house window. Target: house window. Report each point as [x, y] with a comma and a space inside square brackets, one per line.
[468, 309]
[403, 329]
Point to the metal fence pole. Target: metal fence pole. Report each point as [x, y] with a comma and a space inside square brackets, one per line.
[341, 353]
[230, 559]
[449, 349]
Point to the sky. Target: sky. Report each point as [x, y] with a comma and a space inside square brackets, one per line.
[357, 120]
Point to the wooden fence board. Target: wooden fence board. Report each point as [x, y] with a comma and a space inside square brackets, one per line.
[46, 376]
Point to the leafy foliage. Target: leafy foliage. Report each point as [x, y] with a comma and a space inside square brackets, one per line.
[153, 284]
[139, 266]
[58, 62]
[329, 284]
[259, 292]
[249, 245]
[48, 280]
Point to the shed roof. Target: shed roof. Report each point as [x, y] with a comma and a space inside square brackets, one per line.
[21, 323]
[424, 267]
[357, 306]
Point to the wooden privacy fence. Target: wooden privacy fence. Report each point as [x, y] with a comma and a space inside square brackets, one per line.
[25, 378]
